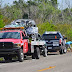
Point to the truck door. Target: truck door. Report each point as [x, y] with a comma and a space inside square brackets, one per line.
[25, 43]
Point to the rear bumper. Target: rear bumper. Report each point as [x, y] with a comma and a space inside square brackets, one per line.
[54, 49]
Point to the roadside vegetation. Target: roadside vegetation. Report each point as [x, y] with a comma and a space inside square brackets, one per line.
[45, 12]
[1, 59]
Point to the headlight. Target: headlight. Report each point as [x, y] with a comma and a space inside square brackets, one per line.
[17, 45]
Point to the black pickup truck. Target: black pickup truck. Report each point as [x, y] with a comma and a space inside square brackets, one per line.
[55, 42]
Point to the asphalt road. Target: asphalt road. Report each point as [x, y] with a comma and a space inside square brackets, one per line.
[52, 63]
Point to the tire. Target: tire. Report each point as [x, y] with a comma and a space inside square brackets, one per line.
[37, 53]
[65, 50]
[20, 55]
[33, 55]
[61, 51]
[45, 52]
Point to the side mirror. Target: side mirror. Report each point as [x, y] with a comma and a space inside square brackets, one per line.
[25, 37]
[65, 38]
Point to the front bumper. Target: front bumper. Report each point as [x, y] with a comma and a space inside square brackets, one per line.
[9, 51]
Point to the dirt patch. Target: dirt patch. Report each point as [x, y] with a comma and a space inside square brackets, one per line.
[69, 50]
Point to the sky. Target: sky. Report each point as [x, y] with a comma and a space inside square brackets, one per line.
[62, 4]
[8, 1]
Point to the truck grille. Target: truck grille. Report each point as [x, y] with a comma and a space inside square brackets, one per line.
[6, 45]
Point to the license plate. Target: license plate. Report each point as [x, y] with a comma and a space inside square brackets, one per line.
[55, 44]
[49, 47]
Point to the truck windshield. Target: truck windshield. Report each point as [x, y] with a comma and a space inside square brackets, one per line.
[51, 36]
[5, 35]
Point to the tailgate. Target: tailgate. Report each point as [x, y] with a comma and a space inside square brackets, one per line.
[53, 43]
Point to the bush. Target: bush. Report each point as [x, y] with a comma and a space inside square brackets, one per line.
[1, 21]
[65, 29]
[1, 59]
[45, 27]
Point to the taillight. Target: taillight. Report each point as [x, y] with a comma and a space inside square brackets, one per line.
[60, 41]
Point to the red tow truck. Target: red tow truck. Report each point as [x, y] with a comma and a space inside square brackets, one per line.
[15, 42]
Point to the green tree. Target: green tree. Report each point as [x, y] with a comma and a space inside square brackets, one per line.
[45, 27]
[54, 3]
[20, 5]
[1, 21]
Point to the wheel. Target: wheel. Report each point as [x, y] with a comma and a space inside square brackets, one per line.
[45, 52]
[33, 55]
[20, 55]
[65, 50]
[37, 53]
[61, 51]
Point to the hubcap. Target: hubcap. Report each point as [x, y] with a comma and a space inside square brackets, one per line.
[22, 56]
[65, 50]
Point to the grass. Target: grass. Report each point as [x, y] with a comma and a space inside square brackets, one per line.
[1, 59]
